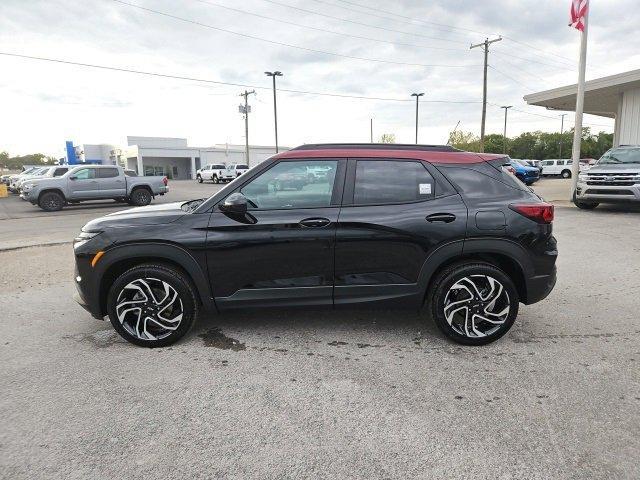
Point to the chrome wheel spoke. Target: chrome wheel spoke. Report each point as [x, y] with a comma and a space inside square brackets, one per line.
[477, 306]
[149, 308]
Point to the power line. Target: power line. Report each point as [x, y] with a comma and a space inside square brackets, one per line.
[528, 60]
[523, 71]
[218, 82]
[548, 116]
[442, 25]
[512, 79]
[324, 30]
[354, 22]
[282, 44]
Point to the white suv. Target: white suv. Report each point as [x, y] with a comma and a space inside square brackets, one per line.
[216, 172]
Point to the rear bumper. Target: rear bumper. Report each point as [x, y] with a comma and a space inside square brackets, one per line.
[540, 286]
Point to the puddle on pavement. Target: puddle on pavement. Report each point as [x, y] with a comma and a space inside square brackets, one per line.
[215, 338]
[100, 339]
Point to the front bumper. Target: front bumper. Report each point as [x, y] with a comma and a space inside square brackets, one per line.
[607, 193]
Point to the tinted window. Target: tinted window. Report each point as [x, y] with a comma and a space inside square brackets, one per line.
[130, 173]
[389, 181]
[85, 173]
[60, 171]
[108, 172]
[289, 185]
[217, 167]
[241, 167]
[474, 184]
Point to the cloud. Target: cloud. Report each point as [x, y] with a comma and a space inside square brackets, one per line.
[49, 103]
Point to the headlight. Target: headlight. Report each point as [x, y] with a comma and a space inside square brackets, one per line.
[84, 237]
[28, 186]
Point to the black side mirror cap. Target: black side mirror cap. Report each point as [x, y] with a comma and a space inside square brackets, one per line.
[235, 203]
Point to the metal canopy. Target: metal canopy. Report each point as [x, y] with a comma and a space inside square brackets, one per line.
[602, 95]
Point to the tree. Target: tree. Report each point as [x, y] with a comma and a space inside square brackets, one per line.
[16, 163]
[388, 138]
[464, 141]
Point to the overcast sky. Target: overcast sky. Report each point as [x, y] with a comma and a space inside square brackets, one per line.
[423, 48]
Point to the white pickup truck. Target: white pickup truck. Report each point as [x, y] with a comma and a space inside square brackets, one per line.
[216, 172]
[93, 182]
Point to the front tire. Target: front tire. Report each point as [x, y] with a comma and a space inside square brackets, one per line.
[199, 178]
[473, 303]
[51, 202]
[152, 305]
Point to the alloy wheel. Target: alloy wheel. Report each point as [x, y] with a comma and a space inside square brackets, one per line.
[477, 306]
[149, 309]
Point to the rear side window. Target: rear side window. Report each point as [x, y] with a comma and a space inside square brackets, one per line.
[382, 181]
[108, 172]
[474, 184]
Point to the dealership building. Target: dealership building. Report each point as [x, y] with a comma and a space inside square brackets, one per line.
[615, 96]
[172, 157]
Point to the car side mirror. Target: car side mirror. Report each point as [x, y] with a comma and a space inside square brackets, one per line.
[236, 203]
[73, 177]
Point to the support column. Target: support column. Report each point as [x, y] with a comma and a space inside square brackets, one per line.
[193, 168]
[139, 165]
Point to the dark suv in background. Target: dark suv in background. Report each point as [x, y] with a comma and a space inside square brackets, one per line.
[388, 225]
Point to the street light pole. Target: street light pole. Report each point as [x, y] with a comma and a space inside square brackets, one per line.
[417, 95]
[504, 136]
[275, 104]
[561, 131]
[246, 109]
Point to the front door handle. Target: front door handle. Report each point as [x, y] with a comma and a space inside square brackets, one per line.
[315, 222]
[441, 217]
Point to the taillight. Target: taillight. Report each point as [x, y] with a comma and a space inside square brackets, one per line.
[165, 180]
[538, 212]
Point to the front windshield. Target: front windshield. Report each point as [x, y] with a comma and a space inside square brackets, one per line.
[39, 171]
[620, 155]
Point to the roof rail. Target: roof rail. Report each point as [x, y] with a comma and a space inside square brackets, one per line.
[377, 146]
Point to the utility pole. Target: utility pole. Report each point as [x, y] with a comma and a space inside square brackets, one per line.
[371, 128]
[485, 45]
[417, 95]
[275, 105]
[504, 136]
[561, 132]
[245, 109]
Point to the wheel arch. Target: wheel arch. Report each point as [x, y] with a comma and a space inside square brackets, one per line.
[121, 258]
[504, 254]
[50, 190]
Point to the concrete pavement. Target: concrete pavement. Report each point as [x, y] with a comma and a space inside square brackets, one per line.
[298, 394]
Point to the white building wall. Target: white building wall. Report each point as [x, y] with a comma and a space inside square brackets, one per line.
[158, 142]
[628, 120]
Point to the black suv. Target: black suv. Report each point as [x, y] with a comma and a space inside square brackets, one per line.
[388, 225]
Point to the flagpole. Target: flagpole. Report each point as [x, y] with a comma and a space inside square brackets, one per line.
[577, 134]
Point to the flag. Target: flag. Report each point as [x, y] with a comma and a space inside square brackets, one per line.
[579, 9]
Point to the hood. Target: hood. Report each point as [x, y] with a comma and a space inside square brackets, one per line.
[615, 167]
[150, 215]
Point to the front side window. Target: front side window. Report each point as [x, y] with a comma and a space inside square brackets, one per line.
[85, 173]
[392, 181]
[290, 185]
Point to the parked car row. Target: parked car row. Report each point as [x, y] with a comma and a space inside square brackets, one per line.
[220, 173]
[53, 187]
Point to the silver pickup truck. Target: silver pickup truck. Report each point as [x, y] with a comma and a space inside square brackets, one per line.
[615, 178]
[93, 182]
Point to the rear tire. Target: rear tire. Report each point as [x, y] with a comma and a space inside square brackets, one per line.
[51, 202]
[566, 174]
[473, 303]
[140, 197]
[152, 305]
[215, 179]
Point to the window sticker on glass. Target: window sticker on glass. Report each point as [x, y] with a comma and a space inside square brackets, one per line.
[425, 189]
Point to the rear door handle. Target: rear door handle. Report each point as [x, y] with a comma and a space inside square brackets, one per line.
[315, 222]
[441, 217]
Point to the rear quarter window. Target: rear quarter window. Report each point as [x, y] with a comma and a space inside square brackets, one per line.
[475, 184]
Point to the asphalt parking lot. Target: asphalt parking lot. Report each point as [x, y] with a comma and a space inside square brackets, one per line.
[299, 394]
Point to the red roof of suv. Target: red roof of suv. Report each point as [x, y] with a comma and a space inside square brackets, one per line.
[429, 153]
